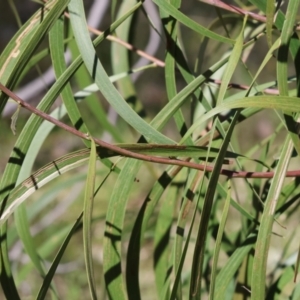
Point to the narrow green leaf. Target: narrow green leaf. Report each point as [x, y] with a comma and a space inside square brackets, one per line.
[284, 103]
[196, 277]
[227, 272]
[282, 67]
[232, 64]
[192, 186]
[162, 239]
[173, 54]
[57, 55]
[218, 242]
[185, 248]
[139, 228]
[120, 58]
[88, 92]
[237, 206]
[180, 17]
[286, 34]
[87, 220]
[98, 73]
[56, 46]
[50, 274]
[14, 119]
[114, 228]
[297, 265]
[296, 292]
[270, 13]
[23, 228]
[6, 277]
[264, 234]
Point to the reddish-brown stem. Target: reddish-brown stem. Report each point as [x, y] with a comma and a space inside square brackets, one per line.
[237, 10]
[126, 45]
[242, 86]
[128, 153]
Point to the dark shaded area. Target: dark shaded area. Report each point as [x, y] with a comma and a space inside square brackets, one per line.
[133, 253]
[133, 101]
[116, 270]
[94, 71]
[183, 130]
[7, 188]
[251, 239]
[17, 160]
[113, 237]
[164, 180]
[264, 193]
[161, 246]
[56, 167]
[112, 274]
[78, 124]
[176, 52]
[133, 256]
[5, 199]
[7, 282]
[274, 290]
[114, 227]
[168, 273]
[190, 195]
[283, 52]
[295, 40]
[291, 123]
[180, 231]
[288, 204]
[142, 140]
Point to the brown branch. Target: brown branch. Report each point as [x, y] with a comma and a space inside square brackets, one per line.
[131, 154]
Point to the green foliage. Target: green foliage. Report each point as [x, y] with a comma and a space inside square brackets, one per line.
[194, 199]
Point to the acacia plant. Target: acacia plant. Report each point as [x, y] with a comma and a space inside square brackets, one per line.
[172, 178]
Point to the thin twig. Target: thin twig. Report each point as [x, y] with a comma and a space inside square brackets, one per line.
[237, 10]
[126, 45]
[128, 153]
